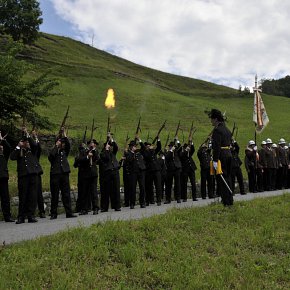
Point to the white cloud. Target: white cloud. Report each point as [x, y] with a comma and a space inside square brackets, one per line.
[224, 41]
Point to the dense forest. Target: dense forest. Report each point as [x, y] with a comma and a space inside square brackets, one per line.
[280, 87]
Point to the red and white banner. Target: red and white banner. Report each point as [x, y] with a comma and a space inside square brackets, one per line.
[260, 117]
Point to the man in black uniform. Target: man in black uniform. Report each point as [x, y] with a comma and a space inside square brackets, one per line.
[135, 171]
[110, 179]
[236, 168]
[251, 165]
[221, 141]
[59, 176]
[27, 169]
[173, 165]
[283, 164]
[188, 170]
[4, 191]
[40, 201]
[88, 178]
[206, 180]
[153, 175]
[163, 172]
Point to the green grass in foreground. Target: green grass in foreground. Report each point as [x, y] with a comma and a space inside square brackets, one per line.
[244, 247]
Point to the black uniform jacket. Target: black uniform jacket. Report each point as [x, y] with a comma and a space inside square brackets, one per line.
[4, 159]
[172, 159]
[87, 165]
[27, 162]
[134, 162]
[108, 158]
[150, 157]
[221, 140]
[187, 162]
[58, 159]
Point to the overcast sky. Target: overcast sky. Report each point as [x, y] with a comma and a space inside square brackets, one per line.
[223, 41]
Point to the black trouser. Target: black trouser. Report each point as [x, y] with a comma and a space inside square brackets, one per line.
[281, 180]
[237, 172]
[133, 179]
[111, 190]
[89, 194]
[60, 182]
[152, 177]
[260, 179]
[269, 172]
[126, 181]
[163, 182]
[40, 201]
[80, 193]
[226, 161]
[206, 178]
[169, 181]
[185, 175]
[5, 199]
[27, 190]
[252, 179]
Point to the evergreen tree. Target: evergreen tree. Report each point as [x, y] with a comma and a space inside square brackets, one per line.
[21, 95]
[20, 19]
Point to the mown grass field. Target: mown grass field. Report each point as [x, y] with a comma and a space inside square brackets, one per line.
[243, 247]
[85, 75]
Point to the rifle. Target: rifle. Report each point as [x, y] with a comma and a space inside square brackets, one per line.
[167, 140]
[85, 135]
[177, 129]
[108, 125]
[234, 128]
[138, 126]
[63, 122]
[191, 132]
[93, 129]
[236, 133]
[159, 131]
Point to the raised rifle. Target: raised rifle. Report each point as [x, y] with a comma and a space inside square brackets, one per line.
[191, 132]
[177, 129]
[167, 141]
[92, 130]
[121, 162]
[159, 131]
[85, 135]
[233, 130]
[60, 132]
[108, 124]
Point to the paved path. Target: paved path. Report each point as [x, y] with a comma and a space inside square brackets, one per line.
[12, 233]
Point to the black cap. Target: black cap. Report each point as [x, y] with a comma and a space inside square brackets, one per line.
[185, 145]
[132, 143]
[147, 143]
[171, 144]
[93, 140]
[216, 114]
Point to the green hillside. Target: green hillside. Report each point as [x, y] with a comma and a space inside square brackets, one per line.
[86, 73]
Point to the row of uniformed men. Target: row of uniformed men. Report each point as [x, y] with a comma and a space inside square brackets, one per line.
[269, 166]
[145, 166]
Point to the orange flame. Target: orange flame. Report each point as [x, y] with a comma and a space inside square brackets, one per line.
[110, 100]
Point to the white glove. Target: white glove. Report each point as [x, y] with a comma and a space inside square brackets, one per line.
[215, 165]
[255, 148]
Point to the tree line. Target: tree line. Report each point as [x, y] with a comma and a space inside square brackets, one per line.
[279, 87]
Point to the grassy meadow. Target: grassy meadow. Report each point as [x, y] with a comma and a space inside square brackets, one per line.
[86, 73]
[243, 247]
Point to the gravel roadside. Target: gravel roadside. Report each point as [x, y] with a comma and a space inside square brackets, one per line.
[12, 233]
